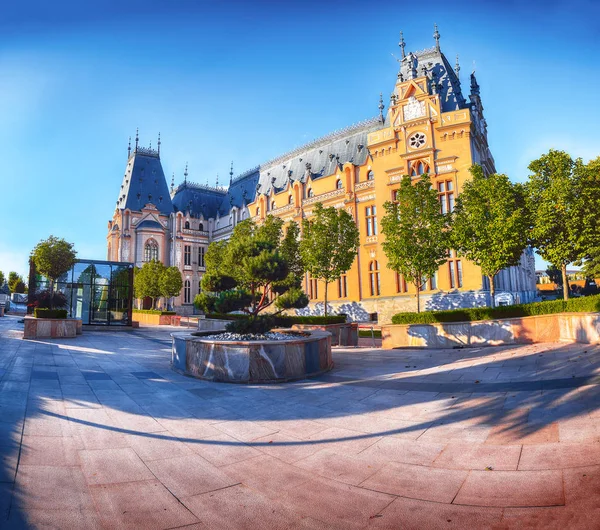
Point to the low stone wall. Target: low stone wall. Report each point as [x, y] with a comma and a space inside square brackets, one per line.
[566, 327]
[212, 324]
[46, 328]
[345, 334]
[251, 361]
[153, 320]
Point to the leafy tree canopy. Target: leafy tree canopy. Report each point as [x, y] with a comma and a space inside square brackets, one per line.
[251, 271]
[170, 282]
[329, 244]
[490, 223]
[2, 279]
[53, 257]
[146, 280]
[15, 282]
[552, 199]
[416, 232]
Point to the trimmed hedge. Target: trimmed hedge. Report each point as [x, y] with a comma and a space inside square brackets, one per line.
[366, 333]
[42, 312]
[587, 304]
[286, 321]
[153, 312]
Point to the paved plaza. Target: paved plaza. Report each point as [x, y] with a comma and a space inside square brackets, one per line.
[98, 432]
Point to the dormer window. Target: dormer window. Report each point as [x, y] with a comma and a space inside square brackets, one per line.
[370, 175]
[338, 184]
[290, 200]
[310, 193]
[187, 225]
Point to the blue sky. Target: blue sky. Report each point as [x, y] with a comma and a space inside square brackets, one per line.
[247, 81]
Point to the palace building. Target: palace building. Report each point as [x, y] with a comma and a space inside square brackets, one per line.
[429, 127]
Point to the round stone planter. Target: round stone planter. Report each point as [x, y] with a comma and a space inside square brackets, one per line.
[265, 361]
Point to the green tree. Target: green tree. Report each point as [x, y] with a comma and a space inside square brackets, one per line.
[588, 206]
[416, 232]
[15, 282]
[170, 282]
[52, 258]
[490, 224]
[250, 273]
[329, 244]
[552, 199]
[2, 279]
[146, 281]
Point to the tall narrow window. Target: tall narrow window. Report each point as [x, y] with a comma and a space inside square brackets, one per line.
[455, 270]
[446, 196]
[313, 288]
[429, 284]
[342, 286]
[187, 225]
[187, 295]
[401, 285]
[371, 217]
[201, 251]
[370, 175]
[374, 278]
[187, 255]
[151, 250]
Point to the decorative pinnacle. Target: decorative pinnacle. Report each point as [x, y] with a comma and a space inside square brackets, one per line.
[185, 173]
[159, 143]
[436, 36]
[381, 106]
[231, 174]
[129, 148]
[173, 181]
[137, 138]
[457, 66]
[402, 44]
[217, 183]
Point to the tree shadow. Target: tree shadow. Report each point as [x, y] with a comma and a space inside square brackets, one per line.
[109, 382]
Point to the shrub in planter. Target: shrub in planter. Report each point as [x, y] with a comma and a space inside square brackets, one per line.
[43, 312]
[48, 299]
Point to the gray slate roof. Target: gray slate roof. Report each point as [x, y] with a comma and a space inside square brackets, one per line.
[435, 62]
[197, 199]
[144, 182]
[149, 224]
[241, 191]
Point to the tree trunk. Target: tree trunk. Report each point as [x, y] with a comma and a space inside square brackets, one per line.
[325, 297]
[418, 287]
[565, 282]
[492, 290]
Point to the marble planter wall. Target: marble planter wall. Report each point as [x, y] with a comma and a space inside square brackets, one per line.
[252, 361]
[567, 327]
[341, 334]
[43, 328]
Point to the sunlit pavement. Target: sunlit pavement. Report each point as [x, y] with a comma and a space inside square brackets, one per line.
[98, 432]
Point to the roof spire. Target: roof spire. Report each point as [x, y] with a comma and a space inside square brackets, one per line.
[129, 149]
[436, 36]
[457, 66]
[217, 184]
[159, 144]
[137, 138]
[231, 173]
[173, 182]
[185, 174]
[402, 44]
[381, 106]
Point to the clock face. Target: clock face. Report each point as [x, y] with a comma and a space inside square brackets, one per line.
[417, 140]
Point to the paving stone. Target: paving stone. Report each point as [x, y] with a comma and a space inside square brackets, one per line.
[512, 488]
[405, 451]
[417, 482]
[52, 488]
[479, 456]
[110, 466]
[50, 451]
[189, 475]
[142, 504]
[241, 508]
[348, 469]
[223, 450]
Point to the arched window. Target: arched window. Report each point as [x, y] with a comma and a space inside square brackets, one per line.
[310, 193]
[272, 205]
[374, 278]
[290, 200]
[338, 184]
[151, 250]
[201, 227]
[187, 295]
[370, 175]
[418, 169]
[187, 225]
[257, 211]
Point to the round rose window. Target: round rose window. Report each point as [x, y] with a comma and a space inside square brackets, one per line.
[417, 140]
